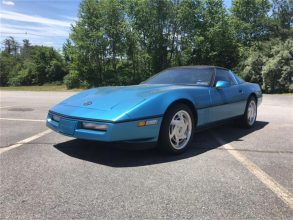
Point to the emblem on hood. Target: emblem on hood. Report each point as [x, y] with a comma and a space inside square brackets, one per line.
[87, 103]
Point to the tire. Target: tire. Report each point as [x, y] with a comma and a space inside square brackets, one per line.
[250, 114]
[176, 138]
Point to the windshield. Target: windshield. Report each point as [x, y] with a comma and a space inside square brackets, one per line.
[183, 76]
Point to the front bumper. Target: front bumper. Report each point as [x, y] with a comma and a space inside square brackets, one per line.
[125, 131]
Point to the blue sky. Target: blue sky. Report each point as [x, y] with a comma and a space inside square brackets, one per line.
[46, 22]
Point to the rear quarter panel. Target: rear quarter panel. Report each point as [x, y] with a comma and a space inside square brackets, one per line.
[251, 88]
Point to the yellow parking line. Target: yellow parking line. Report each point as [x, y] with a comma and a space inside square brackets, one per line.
[25, 141]
[267, 180]
[22, 119]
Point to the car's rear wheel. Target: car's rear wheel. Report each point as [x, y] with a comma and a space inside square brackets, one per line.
[249, 117]
[177, 129]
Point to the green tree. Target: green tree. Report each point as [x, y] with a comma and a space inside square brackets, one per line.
[251, 20]
[42, 57]
[25, 49]
[154, 23]
[11, 46]
[99, 39]
[282, 18]
[7, 62]
[30, 65]
[283, 13]
[190, 18]
[207, 35]
[278, 69]
[23, 74]
[252, 67]
[124, 41]
[271, 65]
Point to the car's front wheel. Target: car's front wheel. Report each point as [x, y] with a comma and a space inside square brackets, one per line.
[177, 129]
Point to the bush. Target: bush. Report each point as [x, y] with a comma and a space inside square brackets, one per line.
[291, 88]
[32, 65]
[271, 65]
[278, 69]
[23, 74]
[72, 80]
[7, 62]
[55, 71]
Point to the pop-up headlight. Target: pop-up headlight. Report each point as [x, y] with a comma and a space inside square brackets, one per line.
[56, 118]
[94, 126]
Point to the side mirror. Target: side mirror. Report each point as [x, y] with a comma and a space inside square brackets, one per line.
[222, 84]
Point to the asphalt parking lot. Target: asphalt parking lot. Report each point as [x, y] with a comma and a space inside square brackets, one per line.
[230, 173]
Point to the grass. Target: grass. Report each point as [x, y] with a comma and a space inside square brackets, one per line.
[46, 87]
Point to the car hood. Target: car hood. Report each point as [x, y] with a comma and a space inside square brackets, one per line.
[108, 98]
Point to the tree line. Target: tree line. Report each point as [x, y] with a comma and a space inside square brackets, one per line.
[30, 65]
[120, 42]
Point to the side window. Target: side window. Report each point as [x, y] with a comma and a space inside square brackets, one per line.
[239, 80]
[232, 76]
[224, 75]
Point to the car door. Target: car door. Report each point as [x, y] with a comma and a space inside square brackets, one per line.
[227, 102]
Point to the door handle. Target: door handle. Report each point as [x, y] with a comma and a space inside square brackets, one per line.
[240, 91]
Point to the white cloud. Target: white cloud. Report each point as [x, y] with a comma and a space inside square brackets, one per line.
[11, 3]
[9, 15]
[32, 31]
[71, 18]
[39, 30]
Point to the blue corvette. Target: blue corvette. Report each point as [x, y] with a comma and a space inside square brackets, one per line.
[166, 108]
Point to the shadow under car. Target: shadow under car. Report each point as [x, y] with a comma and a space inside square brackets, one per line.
[113, 155]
